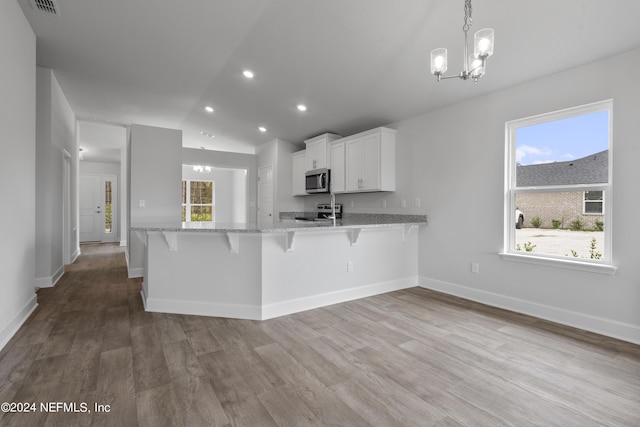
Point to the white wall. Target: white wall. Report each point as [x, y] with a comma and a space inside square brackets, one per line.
[239, 201]
[278, 154]
[155, 176]
[17, 169]
[224, 159]
[284, 201]
[457, 158]
[55, 135]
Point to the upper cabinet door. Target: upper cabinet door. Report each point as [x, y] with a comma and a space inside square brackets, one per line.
[371, 161]
[337, 162]
[312, 156]
[353, 167]
[318, 150]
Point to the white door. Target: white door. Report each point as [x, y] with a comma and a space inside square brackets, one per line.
[265, 194]
[90, 208]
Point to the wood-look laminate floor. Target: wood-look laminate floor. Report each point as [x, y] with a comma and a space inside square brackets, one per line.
[413, 357]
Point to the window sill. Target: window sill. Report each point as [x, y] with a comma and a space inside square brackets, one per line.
[589, 267]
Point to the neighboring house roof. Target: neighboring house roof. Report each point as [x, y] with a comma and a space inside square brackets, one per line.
[591, 169]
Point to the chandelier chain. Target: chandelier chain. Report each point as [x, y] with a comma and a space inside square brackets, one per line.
[468, 21]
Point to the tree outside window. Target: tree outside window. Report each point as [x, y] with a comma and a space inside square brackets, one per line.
[197, 200]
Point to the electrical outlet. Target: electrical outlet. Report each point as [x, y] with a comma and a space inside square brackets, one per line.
[142, 203]
[417, 202]
[403, 203]
[475, 267]
[349, 266]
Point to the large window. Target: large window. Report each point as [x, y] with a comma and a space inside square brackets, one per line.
[558, 177]
[197, 201]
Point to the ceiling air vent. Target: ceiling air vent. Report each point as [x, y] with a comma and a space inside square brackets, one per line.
[46, 6]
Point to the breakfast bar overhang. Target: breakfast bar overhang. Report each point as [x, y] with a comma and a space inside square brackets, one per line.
[264, 271]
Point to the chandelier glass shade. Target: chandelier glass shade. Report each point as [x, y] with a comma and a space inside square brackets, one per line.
[475, 63]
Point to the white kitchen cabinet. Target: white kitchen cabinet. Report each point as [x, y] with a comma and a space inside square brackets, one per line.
[337, 162]
[370, 161]
[318, 150]
[299, 162]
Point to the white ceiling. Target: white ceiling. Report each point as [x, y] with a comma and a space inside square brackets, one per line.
[100, 142]
[356, 64]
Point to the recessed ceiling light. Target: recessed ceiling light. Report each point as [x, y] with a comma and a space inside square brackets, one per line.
[207, 134]
[302, 107]
[209, 109]
[262, 129]
[248, 74]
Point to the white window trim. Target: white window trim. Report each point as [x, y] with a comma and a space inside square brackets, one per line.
[508, 252]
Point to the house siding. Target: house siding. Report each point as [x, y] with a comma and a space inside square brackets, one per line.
[563, 206]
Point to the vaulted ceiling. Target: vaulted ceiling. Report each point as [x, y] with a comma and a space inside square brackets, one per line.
[355, 64]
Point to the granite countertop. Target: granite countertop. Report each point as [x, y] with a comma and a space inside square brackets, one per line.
[286, 223]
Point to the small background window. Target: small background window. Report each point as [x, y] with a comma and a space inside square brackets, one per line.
[197, 201]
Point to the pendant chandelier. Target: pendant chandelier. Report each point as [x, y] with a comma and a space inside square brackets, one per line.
[474, 65]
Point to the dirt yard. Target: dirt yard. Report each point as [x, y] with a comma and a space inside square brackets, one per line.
[560, 242]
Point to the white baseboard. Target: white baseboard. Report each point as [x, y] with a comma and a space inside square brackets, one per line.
[143, 295]
[21, 316]
[315, 301]
[587, 322]
[135, 272]
[123, 243]
[132, 273]
[49, 282]
[264, 312]
[197, 308]
[75, 255]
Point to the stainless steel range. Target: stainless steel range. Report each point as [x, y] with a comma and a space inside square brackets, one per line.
[324, 213]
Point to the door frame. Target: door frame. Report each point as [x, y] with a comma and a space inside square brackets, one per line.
[269, 195]
[66, 208]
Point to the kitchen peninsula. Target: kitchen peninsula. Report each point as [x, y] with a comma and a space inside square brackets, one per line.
[261, 271]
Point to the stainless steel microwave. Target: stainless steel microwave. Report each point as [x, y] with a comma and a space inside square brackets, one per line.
[318, 181]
